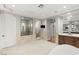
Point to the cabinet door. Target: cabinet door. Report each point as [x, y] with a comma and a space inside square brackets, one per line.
[76, 42]
[61, 41]
[68, 40]
[2, 30]
[10, 26]
[7, 30]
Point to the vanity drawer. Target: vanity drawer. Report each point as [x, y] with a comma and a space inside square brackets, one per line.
[76, 42]
[69, 40]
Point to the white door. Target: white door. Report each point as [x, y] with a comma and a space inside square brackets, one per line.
[7, 30]
[2, 30]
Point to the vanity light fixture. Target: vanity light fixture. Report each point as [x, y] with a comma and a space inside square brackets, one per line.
[37, 24]
[23, 24]
[31, 25]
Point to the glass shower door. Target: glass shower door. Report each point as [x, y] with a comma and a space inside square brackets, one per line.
[37, 29]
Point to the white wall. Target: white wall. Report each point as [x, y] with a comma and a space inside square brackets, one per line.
[60, 25]
[44, 30]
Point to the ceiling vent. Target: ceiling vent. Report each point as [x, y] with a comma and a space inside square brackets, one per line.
[41, 5]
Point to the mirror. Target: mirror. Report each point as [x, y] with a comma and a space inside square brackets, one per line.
[26, 26]
[71, 27]
[71, 22]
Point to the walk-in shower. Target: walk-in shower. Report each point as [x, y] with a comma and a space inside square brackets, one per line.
[51, 29]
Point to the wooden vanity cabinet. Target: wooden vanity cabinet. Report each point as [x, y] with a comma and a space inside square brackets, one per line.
[76, 41]
[69, 40]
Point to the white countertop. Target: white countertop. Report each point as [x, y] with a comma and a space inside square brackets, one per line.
[67, 34]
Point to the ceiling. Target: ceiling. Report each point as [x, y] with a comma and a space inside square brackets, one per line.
[32, 10]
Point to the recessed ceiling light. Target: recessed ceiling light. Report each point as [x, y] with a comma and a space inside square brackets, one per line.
[13, 5]
[65, 7]
[70, 15]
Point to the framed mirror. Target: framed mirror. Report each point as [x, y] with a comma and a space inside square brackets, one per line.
[26, 26]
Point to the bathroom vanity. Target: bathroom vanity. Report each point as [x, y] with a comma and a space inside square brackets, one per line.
[69, 39]
[69, 28]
